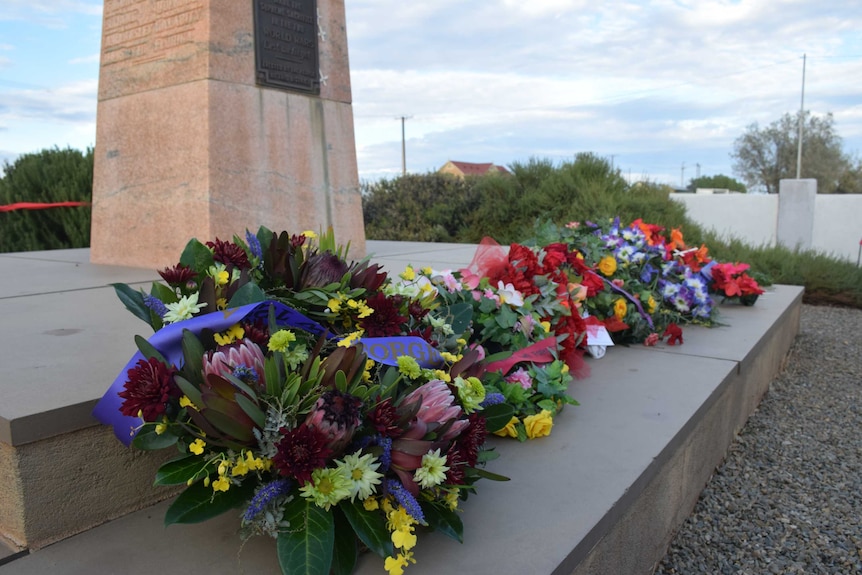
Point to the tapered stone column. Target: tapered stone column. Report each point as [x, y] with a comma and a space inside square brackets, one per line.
[197, 138]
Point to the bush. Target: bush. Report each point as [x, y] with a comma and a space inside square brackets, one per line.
[52, 175]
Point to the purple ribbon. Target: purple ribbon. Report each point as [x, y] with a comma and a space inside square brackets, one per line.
[630, 297]
[168, 341]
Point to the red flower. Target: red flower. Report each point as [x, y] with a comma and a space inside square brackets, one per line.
[228, 253]
[555, 255]
[651, 340]
[673, 333]
[300, 452]
[471, 440]
[178, 276]
[149, 389]
[385, 419]
[386, 319]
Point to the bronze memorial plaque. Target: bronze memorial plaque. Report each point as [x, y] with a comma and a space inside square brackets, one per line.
[285, 45]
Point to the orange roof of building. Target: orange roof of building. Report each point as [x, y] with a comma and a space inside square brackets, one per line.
[471, 169]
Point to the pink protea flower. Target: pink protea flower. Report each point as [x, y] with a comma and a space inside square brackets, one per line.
[336, 415]
[227, 358]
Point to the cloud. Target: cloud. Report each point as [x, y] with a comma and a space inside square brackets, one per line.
[69, 103]
[48, 13]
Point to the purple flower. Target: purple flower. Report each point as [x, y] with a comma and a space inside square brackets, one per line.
[493, 398]
[264, 496]
[406, 500]
[254, 247]
[648, 273]
[156, 305]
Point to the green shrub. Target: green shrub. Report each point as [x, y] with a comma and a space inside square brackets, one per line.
[49, 176]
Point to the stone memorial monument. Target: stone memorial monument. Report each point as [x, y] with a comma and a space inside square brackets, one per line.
[217, 116]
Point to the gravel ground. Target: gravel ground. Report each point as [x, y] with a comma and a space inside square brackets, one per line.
[788, 497]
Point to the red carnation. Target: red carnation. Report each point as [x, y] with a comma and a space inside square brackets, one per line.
[149, 389]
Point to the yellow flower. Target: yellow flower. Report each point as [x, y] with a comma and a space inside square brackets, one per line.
[221, 484]
[452, 499]
[608, 265]
[309, 234]
[404, 539]
[395, 565]
[450, 357]
[230, 335]
[240, 468]
[221, 303]
[546, 325]
[186, 402]
[408, 274]
[350, 338]
[539, 425]
[197, 446]
[334, 305]
[509, 430]
[442, 375]
[651, 303]
[620, 308]
[371, 504]
[364, 310]
[161, 428]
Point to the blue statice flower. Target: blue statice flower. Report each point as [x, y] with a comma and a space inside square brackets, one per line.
[264, 496]
[254, 246]
[406, 500]
[246, 374]
[155, 305]
[386, 456]
[493, 398]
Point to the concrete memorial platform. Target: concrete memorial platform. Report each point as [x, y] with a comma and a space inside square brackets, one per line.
[602, 494]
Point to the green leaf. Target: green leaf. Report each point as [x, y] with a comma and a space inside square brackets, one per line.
[341, 381]
[148, 440]
[197, 256]
[370, 527]
[180, 470]
[148, 350]
[134, 302]
[488, 475]
[163, 292]
[306, 548]
[445, 521]
[345, 552]
[252, 410]
[460, 317]
[199, 502]
[193, 354]
[497, 416]
[249, 293]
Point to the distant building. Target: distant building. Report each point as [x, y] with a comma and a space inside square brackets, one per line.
[463, 169]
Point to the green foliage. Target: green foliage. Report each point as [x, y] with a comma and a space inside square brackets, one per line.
[764, 156]
[49, 176]
[505, 207]
[718, 181]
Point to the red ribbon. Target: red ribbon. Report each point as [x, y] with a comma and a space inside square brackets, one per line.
[539, 352]
[41, 206]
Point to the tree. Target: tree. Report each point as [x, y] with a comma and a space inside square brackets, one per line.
[719, 181]
[52, 175]
[764, 156]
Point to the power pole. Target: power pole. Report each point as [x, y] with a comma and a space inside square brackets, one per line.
[682, 176]
[801, 121]
[612, 162]
[403, 145]
[698, 171]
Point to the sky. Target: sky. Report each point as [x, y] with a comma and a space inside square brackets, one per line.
[660, 88]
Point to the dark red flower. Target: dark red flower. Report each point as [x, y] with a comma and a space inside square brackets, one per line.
[385, 419]
[455, 474]
[300, 452]
[416, 311]
[228, 253]
[257, 332]
[178, 276]
[386, 319]
[471, 440]
[149, 389]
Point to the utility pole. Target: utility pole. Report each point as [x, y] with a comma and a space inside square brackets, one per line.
[698, 171]
[801, 122]
[682, 176]
[403, 145]
[612, 162]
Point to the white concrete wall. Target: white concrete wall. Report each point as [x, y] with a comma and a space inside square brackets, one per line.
[754, 219]
[838, 224]
[748, 217]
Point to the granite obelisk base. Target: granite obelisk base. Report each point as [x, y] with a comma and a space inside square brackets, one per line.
[192, 143]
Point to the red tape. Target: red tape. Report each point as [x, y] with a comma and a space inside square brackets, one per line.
[41, 206]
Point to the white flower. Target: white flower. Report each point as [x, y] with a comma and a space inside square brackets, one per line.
[362, 471]
[508, 294]
[187, 307]
[433, 470]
